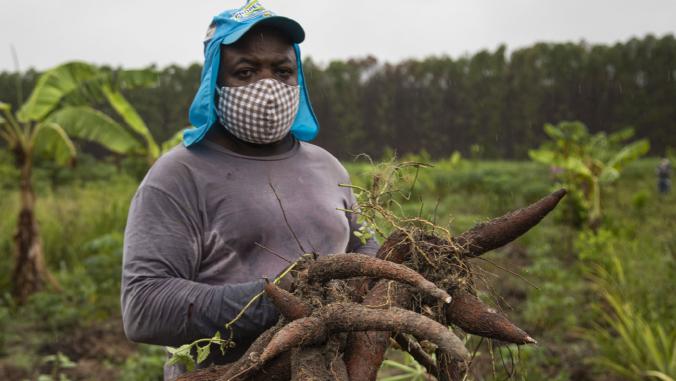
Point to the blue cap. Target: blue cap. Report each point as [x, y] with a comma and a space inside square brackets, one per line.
[226, 28]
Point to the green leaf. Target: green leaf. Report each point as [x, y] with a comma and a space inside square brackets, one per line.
[629, 154]
[131, 79]
[609, 175]
[83, 122]
[620, 136]
[10, 131]
[659, 375]
[6, 132]
[51, 140]
[182, 355]
[133, 119]
[401, 377]
[577, 166]
[614, 366]
[54, 85]
[543, 156]
[64, 361]
[183, 350]
[456, 158]
[652, 347]
[5, 107]
[553, 131]
[398, 365]
[203, 352]
[573, 131]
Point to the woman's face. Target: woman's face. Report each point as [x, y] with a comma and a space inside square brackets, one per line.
[263, 52]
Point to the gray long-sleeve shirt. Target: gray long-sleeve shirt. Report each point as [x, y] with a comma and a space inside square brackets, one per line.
[190, 256]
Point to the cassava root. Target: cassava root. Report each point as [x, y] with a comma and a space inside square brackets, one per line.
[342, 266]
[303, 344]
[289, 305]
[473, 316]
[351, 317]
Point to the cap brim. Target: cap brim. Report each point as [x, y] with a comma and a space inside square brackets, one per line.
[291, 28]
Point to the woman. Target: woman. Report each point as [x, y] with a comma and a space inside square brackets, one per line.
[207, 218]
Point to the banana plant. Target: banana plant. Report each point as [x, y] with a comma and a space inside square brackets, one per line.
[81, 87]
[56, 111]
[589, 162]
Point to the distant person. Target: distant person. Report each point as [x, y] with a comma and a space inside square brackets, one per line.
[205, 218]
[663, 176]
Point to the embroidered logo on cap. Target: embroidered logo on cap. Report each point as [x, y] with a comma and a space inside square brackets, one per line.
[251, 10]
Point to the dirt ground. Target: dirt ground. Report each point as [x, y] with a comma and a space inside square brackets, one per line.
[97, 351]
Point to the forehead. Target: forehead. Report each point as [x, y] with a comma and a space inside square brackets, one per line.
[260, 41]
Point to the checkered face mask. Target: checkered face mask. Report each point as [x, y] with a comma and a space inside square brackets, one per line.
[261, 112]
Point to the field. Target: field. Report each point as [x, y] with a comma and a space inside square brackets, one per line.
[599, 304]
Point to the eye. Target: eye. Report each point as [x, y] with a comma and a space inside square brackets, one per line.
[244, 74]
[285, 72]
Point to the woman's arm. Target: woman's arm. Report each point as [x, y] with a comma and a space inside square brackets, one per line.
[161, 301]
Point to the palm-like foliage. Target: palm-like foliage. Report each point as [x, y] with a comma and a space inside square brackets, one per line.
[588, 161]
[67, 95]
[56, 111]
[630, 345]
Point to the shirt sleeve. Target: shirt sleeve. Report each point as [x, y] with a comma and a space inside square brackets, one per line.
[161, 302]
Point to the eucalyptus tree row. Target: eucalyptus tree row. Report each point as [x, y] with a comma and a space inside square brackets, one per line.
[495, 100]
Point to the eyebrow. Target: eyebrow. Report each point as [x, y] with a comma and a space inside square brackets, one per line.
[244, 60]
[283, 61]
[247, 60]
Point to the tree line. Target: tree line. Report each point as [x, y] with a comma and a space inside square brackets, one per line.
[492, 103]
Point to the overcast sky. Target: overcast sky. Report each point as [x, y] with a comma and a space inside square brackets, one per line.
[134, 33]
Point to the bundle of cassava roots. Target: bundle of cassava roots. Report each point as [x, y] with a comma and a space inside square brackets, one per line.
[345, 310]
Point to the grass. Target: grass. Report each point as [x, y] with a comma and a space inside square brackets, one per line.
[588, 316]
